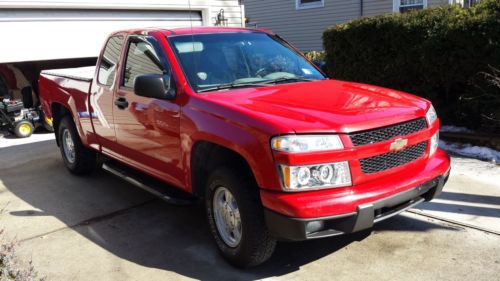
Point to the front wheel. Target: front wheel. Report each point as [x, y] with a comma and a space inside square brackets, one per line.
[236, 218]
[78, 159]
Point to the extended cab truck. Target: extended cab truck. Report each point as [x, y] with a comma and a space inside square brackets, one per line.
[239, 118]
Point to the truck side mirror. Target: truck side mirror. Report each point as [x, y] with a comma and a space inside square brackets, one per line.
[156, 86]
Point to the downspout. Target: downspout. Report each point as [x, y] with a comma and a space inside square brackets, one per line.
[361, 3]
[243, 16]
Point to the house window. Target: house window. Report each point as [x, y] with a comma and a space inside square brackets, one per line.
[307, 4]
[408, 5]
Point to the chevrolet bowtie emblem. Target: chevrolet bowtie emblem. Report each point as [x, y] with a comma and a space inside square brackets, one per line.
[398, 144]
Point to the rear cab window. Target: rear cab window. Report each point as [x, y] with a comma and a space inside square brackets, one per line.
[109, 61]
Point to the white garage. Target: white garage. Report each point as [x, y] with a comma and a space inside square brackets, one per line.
[37, 30]
[50, 34]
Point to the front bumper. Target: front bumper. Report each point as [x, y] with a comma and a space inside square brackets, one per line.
[296, 229]
[364, 214]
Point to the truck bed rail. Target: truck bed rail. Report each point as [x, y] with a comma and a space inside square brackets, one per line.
[81, 73]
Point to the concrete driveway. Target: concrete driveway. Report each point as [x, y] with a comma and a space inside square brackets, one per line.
[100, 228]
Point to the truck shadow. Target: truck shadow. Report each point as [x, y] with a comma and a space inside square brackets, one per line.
[460, 203]
[136, 227]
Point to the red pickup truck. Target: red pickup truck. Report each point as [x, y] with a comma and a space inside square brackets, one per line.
[241, 120]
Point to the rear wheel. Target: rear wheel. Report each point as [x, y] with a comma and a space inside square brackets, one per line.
[3, 88]
[236, 218]
[47, 126]
[23, 129]
[78, 159]
[45, 122]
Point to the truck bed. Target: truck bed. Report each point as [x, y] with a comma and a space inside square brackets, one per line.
[69, 89]
[80, 73]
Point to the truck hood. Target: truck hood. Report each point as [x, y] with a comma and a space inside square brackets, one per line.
[324, 106]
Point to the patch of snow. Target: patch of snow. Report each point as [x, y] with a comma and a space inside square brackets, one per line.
[476, 170]
[477, 152]
[454, 129]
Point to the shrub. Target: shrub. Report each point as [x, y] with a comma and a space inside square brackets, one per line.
[441, 54]
[10, 266]
[315, 55]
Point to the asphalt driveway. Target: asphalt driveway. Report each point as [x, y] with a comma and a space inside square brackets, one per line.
[101, 228]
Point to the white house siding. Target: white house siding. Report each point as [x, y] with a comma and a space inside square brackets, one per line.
[233, 11]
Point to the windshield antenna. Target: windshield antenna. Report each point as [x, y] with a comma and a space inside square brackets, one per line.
[190, 17]
[192, 35]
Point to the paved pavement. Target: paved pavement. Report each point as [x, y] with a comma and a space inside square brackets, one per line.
[100, 228]
[8, 139]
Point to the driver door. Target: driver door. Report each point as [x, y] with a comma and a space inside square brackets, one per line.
[147, 129]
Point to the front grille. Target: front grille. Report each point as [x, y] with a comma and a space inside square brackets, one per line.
[391, 160]
[387, 133]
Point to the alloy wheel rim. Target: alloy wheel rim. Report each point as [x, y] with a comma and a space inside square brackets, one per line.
[68, 146]
[227, 216]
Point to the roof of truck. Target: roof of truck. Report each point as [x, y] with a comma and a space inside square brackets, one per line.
[211, 29]
[189, 30]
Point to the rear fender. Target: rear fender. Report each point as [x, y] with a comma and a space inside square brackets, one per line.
[58, 101]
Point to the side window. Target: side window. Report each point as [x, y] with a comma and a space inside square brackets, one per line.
[307, 4]
[408, 5]
[141, 59]
[110, 57]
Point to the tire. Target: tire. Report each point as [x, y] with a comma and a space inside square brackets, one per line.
[78, 159]
[4, 91]
[48, 127]
[23, 129]
[255, 245]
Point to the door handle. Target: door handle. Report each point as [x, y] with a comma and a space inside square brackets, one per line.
[121, 103]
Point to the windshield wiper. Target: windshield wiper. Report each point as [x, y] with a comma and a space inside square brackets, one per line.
[232, 86]
[288, 79]
[255, 84]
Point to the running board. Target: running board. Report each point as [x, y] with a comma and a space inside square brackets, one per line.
[149, 184]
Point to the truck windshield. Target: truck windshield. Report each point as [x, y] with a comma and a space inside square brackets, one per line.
[220, 61]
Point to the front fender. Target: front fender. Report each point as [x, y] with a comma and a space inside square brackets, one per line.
[242, 135]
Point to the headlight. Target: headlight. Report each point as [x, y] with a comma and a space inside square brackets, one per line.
[431, 115]
[306, 143]
[301, 178]
[434, 143]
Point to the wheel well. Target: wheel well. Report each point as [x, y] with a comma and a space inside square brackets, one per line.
[58, 112]
[208, 156]
[4, 89]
